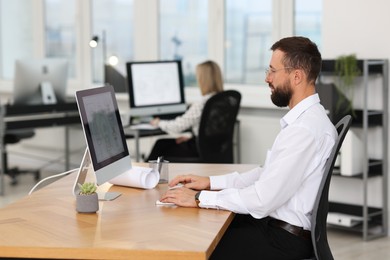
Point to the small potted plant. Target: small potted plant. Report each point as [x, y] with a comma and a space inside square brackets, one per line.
[347, 70]
[87, 200]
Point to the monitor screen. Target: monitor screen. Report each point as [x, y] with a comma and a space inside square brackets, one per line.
[103, 132]
[155, 88]
[41, 81]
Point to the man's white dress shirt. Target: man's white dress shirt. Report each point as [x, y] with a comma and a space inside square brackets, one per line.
[286, 186]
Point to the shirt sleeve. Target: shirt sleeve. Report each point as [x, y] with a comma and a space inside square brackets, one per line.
[190, 119]
[274, 184]
[234, 180]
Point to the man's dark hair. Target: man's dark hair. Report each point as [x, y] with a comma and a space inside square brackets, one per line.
[300, 53]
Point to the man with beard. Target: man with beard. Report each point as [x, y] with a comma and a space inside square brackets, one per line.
[273, 202]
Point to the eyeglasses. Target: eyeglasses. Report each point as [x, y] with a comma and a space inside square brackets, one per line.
[270, 71]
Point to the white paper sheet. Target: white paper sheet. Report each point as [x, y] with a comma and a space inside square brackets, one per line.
[143, 127]
[159, 203]
[138, 177]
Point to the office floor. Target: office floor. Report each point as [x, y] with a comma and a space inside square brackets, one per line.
[49, 162]
[345, 245]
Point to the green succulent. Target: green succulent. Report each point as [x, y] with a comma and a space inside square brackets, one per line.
[87, 188]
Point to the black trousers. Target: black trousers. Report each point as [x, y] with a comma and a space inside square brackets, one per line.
[249, 238]
[168, 148]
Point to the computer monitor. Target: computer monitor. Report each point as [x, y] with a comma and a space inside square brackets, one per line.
[155, 88]
[106, 142]
[40, 81]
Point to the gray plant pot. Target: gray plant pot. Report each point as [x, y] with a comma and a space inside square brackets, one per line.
[87, 203]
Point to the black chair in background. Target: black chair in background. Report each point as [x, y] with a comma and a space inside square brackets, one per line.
[12, 137]
[321, 206]
[216, 129]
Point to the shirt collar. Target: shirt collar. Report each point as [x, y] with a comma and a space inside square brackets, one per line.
[301, 107]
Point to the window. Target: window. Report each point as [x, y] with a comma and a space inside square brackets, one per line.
[16, 39]
[183, 34]
[308, 19]
[112, 23]
[179, 29]
[60, 31]
[248, 31]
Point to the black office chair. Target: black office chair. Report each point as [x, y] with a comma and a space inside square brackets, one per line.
[216, 129]
[12, 137]
[321, 206]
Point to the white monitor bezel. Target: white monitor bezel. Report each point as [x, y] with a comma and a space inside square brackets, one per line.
[158, 108]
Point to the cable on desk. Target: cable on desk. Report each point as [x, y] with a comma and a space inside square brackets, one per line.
[51, 177]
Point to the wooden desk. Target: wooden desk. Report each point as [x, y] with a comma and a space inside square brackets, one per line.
[46, 224]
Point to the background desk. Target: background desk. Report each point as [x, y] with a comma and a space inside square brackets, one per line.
[34, 116]
[138, 133]
[46, 225]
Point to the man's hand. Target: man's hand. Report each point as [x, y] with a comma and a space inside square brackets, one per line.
[183, 197]
[191, 181]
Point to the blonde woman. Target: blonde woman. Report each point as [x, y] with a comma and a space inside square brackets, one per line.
[210, 82]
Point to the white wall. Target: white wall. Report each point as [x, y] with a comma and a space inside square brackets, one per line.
[356, 26]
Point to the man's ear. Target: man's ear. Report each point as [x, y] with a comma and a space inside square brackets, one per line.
[298, 76]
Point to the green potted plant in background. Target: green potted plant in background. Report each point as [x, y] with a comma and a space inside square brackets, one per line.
[347, 69]
[87, 200]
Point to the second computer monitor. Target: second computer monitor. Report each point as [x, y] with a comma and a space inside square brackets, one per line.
[40, 81]
[155, 88]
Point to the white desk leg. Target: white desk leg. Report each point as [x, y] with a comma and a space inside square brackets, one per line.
[2, 134]
[2, 186]
[237, 137]
[136, 140]
[67, 155]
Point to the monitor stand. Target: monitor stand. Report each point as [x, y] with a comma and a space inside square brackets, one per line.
[86, 169]
[48, 95]
[105, 196]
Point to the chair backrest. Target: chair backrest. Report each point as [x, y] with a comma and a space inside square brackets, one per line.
[321, 205]
[216, 129]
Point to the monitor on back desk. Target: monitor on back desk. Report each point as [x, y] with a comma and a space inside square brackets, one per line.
[41, 81]
[107, 150]
[156, 88]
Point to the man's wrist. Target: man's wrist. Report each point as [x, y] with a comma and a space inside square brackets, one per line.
[197, 198]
